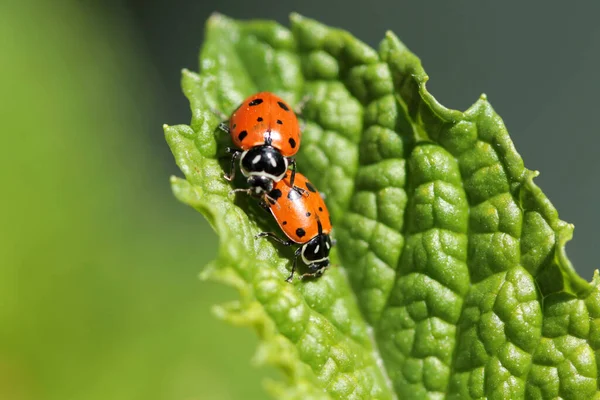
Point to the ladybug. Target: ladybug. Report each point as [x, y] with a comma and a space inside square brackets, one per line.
[304, 220]
[266, 135]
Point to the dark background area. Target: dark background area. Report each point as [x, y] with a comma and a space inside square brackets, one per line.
[99, 297]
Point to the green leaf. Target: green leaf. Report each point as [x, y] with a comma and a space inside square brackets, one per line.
[451, 279]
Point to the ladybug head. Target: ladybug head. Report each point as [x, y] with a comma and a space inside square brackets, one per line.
[260, 185]
[315, 252]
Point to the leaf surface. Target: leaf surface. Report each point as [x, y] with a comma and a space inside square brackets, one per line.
[450, 276]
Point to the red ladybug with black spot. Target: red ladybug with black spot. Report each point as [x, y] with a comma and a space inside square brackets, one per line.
[305, 220]
[266, 135]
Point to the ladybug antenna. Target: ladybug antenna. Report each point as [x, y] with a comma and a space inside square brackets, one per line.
[247, 191]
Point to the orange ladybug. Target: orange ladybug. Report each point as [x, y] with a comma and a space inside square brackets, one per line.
[266, 134]
[304, 219]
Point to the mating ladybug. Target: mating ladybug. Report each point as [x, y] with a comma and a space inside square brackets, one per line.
[304, 219]
[266, 134]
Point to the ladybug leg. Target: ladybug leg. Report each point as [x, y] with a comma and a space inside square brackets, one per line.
[263, 204]
[224, 126]
[293, 178]
[285, 243]
[275, 238]
[294, 264]
[235, 154]
[270, 200]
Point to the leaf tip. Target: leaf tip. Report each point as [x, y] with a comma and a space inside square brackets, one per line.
[390, 35]
[596, 279]
[215, 17]
[530, 175]
[187, 74]
[218, 20]
[295, 17]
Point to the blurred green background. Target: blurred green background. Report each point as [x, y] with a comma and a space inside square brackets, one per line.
[99, 297]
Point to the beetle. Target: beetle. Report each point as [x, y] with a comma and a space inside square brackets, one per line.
[304, 219]
[266, 135]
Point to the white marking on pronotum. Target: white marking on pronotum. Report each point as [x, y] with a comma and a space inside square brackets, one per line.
[262, 173]
[256, 159]
[327, 244]
[273, 162]
[317, 249]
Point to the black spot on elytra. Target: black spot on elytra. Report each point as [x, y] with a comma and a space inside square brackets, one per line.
[284, 223]
[275, 194]
[259, 119]
[242, 135]
[308, 214]
[282, 105]
[294, 195]
[300, 232]
[279, 122]
[311, 187]
[234, 126]
[292, 143]
[320, 208]
[255, 102]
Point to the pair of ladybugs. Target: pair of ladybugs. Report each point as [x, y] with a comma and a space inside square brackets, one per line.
[266, 135]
